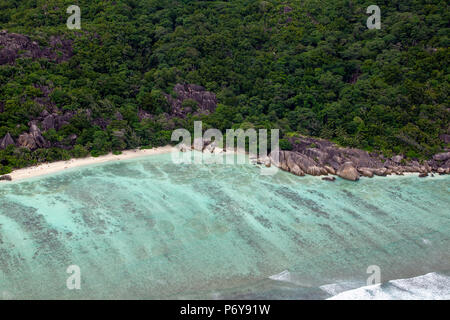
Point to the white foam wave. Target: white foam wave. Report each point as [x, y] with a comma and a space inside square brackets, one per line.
[289, 277]
[282, 276]
[336, 288]
[431, 286]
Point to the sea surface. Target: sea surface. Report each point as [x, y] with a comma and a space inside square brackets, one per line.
[149, 228]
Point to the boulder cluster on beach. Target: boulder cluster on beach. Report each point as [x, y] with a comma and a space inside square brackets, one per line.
[202, 145]
[319, 157]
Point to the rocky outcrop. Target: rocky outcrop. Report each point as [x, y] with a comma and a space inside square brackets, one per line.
[118, 116]
[348, 171]
[5, 178]
[317, 157]
[366, 172]
[287, 9]
[204, 145]
[6, 141]
[325, 153]
[382, 172]
[330, 169]
[320, 157]
[102, 123]
[397, 159]
[46, 121]
[442, 156]
[33, 140]
[15, 45]
[445, 138]
[55, 121]
[295, 169]
[142, 114]
[206, 101]
[27, 141]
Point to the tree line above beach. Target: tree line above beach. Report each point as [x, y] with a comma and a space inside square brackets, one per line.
[137, 70]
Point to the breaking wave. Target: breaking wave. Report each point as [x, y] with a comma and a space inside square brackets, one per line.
[431, 286]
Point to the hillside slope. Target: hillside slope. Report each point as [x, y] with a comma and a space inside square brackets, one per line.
[139, 69]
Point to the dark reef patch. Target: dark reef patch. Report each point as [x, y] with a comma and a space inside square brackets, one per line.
[49, 246]
[302, 201]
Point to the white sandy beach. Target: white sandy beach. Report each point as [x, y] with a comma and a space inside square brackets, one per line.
[48, 168]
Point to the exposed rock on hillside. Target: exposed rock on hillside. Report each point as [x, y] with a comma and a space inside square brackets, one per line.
[54, 120]
[33, 140]
[6, 141]
[445, 138]
[206, 101]
[142, 114]
[15, 45]
[442, 156]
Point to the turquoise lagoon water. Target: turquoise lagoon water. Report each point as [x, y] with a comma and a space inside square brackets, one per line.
[148, 228]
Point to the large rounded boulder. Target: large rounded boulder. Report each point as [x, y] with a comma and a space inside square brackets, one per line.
[348, 171]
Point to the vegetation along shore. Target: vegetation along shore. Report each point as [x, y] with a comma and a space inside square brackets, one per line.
[337, 91]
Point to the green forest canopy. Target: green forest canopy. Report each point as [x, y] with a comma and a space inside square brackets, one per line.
[308, 67]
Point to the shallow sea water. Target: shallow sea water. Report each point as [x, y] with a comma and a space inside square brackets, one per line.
[148, 228]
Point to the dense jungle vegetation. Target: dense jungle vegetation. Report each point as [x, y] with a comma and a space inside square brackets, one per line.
[307, 67]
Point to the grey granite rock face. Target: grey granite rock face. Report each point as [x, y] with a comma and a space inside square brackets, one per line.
[6, 141]
[366, 172]
[321, 157]
[445, 138]
[206, 101]
[397, 158]
[48, 122]
[442, 156]
[14, 45]
[34, 139]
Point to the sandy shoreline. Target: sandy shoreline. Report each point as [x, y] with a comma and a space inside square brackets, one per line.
[53, 167]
